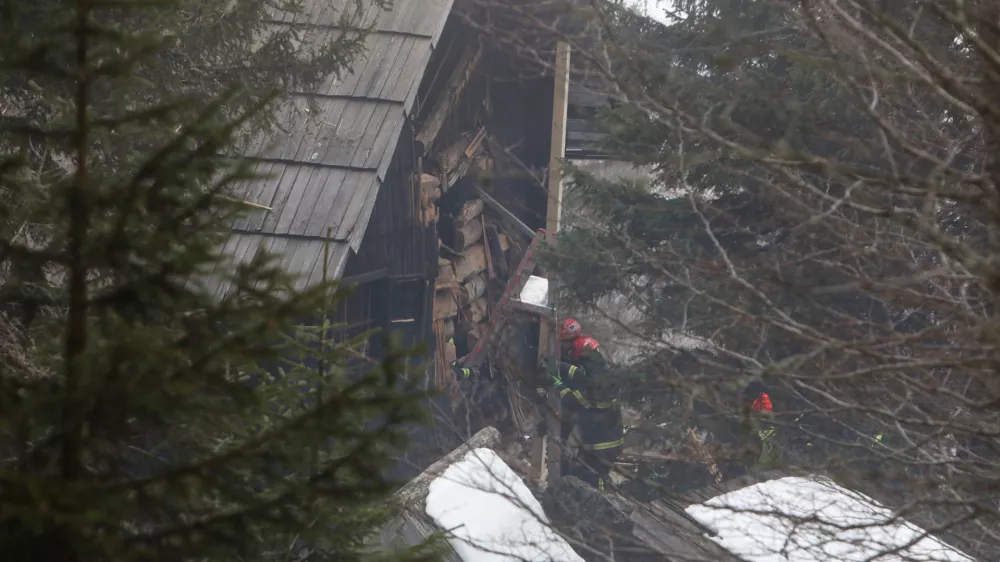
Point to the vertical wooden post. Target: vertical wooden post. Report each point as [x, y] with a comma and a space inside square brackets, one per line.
[548, 341]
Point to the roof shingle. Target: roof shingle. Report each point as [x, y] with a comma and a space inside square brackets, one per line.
[327, 162]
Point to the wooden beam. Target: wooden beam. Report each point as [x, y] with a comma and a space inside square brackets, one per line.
[449, 97]
[548, 342]
[509, 216]
[414, 493]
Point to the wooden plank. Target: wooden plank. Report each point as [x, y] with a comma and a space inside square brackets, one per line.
[414, 493]
[449, 97]
[547, 339]
[413, 525]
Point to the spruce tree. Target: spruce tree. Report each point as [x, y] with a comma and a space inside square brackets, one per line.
[820, 186]
[142, 418]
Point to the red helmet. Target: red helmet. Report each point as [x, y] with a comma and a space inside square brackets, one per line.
[581, 345]
[569, 329]
[762, 403]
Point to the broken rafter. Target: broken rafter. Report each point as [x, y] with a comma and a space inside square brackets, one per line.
[509, 216]
[242, 202]
[449, 97]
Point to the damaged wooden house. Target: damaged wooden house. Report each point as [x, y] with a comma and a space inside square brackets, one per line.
[421, 175]
[384, 164]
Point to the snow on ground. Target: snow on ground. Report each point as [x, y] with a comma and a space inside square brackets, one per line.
[491, 515]
[814, 520]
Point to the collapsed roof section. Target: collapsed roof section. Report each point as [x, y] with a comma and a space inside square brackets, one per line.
[326, 165]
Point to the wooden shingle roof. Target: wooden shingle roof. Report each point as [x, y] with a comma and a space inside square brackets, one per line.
[327, 162]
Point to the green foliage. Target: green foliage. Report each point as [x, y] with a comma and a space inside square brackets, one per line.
[137, 420]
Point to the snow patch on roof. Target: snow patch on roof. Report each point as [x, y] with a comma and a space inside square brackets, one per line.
[491, 515]
[815, 520]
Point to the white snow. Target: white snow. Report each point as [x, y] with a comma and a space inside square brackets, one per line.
[815, 520]
[491, 515]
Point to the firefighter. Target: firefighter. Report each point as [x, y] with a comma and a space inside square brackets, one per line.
[756, 398]
[587, 396]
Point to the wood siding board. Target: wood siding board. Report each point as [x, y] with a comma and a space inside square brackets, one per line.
[349, 133]
[437, 25]
[326, 183]
[337, 191]
[353, 209]
[392, 145]
[370, 150]
[326, 12]
[305, 195]
[338, 253]
[399, 86]
[319, 130]
[275, 246]
[302, 252]
[276, 197]
[355, 235]
[280, 220]
[395, 53]
[377, 59]
[366, 132]
[250, 190]
[409, 80]
[349, 79]
[395, 70]
[289, 129]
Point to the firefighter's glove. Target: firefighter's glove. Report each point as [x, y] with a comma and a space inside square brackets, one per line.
[461, 372]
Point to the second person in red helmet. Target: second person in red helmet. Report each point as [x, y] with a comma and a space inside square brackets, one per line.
[589, 401]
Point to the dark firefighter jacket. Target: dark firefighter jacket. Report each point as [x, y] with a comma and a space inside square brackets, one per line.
[590, 399]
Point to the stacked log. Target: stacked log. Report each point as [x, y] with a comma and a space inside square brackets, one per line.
[461, 300]
[430, 192]
[473, 288]
[473, 261]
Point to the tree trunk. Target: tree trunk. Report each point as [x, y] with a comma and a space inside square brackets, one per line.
[477, 310]
[472, 209]
[445, 305]
[468, 234]
[473, 288]
[473, 262]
